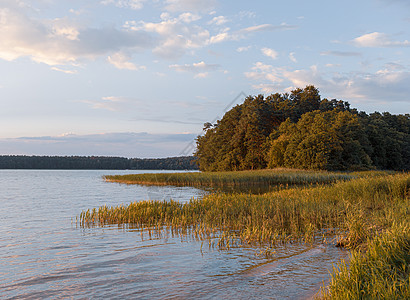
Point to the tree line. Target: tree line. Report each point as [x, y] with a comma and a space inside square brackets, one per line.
[96, 162]
[301, 130]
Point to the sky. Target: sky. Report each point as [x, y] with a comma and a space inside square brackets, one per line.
[138, 78]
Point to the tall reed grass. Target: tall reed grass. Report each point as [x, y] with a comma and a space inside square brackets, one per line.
[353, 209]
[382, 272]
[235, 179]
[369, 214]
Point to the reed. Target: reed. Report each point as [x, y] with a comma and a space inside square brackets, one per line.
[354, 210]
[234, 179]
[382, 272]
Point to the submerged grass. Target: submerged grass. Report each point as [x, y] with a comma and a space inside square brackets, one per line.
[235, 179]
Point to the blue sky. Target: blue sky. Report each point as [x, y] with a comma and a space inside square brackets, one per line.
[139, 78]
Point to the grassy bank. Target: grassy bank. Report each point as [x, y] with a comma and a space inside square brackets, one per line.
[382, 272]
[355, 209]
[362, 213]
[234, 179]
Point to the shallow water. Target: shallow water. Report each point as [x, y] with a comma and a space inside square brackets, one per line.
[45, 255]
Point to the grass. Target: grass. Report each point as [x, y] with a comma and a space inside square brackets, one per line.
[362, 213]
[382, 272]
[233, 179]
[355, 208]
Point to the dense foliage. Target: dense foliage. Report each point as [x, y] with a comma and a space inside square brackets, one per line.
[301, 130]
[96, 162]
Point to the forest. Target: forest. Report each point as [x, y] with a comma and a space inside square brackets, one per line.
[301, 130]
[96, 162]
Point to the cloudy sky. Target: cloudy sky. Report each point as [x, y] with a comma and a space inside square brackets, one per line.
[139, 78]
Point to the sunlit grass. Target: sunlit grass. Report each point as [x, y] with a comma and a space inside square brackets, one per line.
[355, 209]
[382, 272]
[234, 179]
[360, 214]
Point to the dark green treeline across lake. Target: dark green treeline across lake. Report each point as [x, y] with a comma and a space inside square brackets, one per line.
[96, 163]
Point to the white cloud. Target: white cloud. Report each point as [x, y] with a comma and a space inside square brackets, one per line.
[227, 35]
[341, 53]
[201, 75]
[378, 40]
[267, 27]
[220, 20]
[333, 65]
[387, 84]
[64, 71]
[113, 103]
[270, 53]
[243, 48]
[221, 37]
[177, 35]
[63, 41]
[121, 61]
[200, 67]
[132, 4]
[59, 41]
[247, 14]
[292, 57]
[190, 5]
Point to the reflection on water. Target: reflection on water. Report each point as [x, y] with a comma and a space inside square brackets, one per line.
[43, 253]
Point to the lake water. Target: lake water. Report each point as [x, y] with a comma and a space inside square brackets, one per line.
[43, 254]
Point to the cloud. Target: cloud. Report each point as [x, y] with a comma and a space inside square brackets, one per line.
[267, 27]
[227, 35]
[292, 57]
[60, 41]
[114, 103]
[199, 68]
[176, 35]
[132, 4]
[190, 5]
[333, 65]
[64, 71]
[220, 20]
[201, 75]
[243, 48]
[270, 53]
[341, 53]
[247, 14]
[65, 41]
[126, 144]
[121, 61]
[389, 84]
[378, 40]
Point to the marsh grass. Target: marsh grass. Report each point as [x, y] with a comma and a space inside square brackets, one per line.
[353, 210]
[233, 179]
[360, 214]
[382, 272]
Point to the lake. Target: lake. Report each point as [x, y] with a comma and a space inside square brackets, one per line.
[44, 254]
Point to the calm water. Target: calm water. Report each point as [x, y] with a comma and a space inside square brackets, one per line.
[44, 255]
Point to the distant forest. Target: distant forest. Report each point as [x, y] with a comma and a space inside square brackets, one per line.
[301, 130]
[96, 163]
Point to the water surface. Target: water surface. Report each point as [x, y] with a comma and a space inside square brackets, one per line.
[44, 254]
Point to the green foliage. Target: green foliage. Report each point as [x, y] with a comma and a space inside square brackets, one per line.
[96, 163]
[301, 130]
[332, 140]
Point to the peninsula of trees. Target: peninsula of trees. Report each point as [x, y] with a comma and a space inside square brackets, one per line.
[301, 130]
[96, 163]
